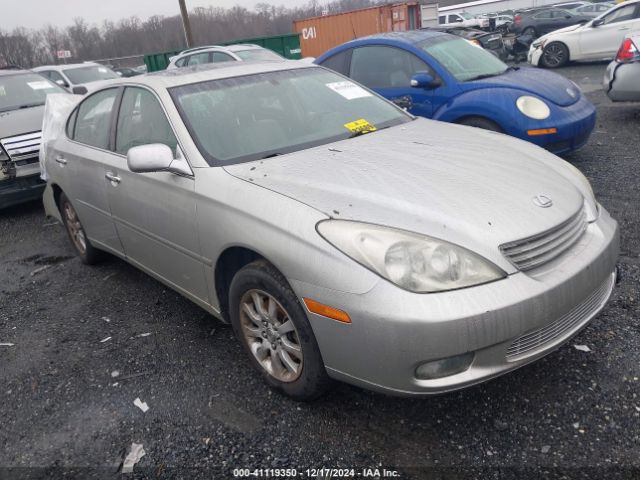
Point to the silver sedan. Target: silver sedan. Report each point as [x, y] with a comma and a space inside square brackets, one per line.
[341, 237]
[621, 80]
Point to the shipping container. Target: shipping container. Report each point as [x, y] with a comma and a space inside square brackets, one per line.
[286, 45]
[319, 34]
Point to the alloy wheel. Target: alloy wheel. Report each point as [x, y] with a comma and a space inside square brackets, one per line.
[271, 335]
[554, 55]
[76, 232]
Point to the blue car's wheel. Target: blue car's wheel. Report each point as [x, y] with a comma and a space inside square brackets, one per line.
[555, 55]
[480, 122]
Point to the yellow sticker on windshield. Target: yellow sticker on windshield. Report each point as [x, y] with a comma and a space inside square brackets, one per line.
[360, 126]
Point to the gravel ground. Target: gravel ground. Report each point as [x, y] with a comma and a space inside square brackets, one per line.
[67, 393]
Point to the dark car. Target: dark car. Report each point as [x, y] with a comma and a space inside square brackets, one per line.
[127, 72]
[489, 41]
[540, 22]
[22, 97]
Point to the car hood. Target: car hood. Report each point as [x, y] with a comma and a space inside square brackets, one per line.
[542, 83]
[423, 178]
[17, 122]
[572, 28]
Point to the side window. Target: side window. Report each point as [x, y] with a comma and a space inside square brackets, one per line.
[198, 59]
[621, 15]
[442, 19]
[385, 67]
[55, 77]
[94, 118]
[560, 14]
[339, 63]
[219, 57]
[454, 18]
[142, 121]
[71, 123]
[182, 62]
[543, 16]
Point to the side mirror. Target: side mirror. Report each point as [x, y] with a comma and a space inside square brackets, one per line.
[156, 157]
[79, 90]
[62, 83]
[459, 20]
[598, 22]
[424, 80]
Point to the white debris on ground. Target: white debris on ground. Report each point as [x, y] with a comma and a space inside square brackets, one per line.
[582, 348]
[115, 374]
[143, 335]
[545, 449]
[133, 457]
[106, 319]
[141, 405]
[7, 344]
[105, 339]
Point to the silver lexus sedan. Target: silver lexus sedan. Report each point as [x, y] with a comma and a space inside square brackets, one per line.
[341, 237]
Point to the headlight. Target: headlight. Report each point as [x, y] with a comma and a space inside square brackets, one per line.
[539, 43]
[411, 261]
[533, 107]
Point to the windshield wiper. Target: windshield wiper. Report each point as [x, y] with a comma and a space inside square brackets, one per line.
[271, 155]
[364, 132]
[484, 75]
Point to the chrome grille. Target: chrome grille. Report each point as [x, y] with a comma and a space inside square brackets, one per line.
[22, 146]
[535, 251]
[530, 342]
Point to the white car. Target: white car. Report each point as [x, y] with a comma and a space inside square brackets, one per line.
[219, 54]
[596, 40]
[593, 9]
[462, 19]
[79, 77]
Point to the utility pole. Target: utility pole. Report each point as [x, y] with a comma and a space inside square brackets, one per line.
[188, 36]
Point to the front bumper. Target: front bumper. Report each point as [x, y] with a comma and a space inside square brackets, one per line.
[534, 55]
[20, 190]
[394, 331]
[621, 83]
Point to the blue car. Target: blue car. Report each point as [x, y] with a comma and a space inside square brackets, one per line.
[444, 77]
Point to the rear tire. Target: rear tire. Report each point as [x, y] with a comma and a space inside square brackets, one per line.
[81, 244]
[273, 328]
[530, 31]
[554, 55]
[480, 122]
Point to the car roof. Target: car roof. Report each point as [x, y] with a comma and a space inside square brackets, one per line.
[221, 48]
[410, 37]
[67, 66]
[13, 71]
[209, 71]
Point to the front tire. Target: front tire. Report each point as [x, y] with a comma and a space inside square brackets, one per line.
[555, 55]
[480, 122]
[81, 244]
[273, 328]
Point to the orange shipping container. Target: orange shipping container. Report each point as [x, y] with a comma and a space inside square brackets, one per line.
[319, 34]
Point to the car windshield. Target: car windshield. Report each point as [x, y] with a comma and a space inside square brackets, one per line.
[466, 16]
[24, 91]
[258, 54]
[462, 59]
[89, 74]
[258, 116]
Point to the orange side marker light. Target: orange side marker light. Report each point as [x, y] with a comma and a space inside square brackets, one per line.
[326, 311]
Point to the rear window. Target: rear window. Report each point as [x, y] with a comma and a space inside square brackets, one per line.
[89, 74]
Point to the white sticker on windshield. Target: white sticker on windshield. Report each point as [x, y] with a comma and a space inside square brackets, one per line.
[102, 70]
[348, 90]
[3, 92]
[42, 85]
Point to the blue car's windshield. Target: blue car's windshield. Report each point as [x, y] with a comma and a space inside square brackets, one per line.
[462, 59]
[257, 116]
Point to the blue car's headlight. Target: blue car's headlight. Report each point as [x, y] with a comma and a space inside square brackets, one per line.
[533, 107]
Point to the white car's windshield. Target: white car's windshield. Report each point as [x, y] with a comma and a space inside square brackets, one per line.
[462, 59]
[258, 54]
[24, 91]
[89, 74]
[257, 116]
[466, 16]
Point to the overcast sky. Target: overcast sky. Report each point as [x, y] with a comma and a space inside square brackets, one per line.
[36, 13]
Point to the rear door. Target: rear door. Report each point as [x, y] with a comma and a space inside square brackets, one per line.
[154, 213]
[388, 71]
[604, 40]
[79, 162]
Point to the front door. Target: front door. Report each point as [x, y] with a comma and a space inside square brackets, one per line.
[388, 71]
[154, 213]
[604, 40]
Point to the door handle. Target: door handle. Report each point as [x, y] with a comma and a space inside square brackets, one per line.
[61, 161]
[624, 28]
[113, 178]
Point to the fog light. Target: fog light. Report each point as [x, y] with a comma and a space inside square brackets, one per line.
[444, 367]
